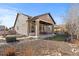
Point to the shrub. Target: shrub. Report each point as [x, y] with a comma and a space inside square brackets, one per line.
[11, 39]
[10, 51]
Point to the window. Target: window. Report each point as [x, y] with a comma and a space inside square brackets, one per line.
[32, 27]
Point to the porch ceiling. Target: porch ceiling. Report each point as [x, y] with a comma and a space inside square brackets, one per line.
[46, 23]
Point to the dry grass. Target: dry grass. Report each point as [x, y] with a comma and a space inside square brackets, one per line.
[9, 51]
[75, 42]
[25, 52]
[36, 48]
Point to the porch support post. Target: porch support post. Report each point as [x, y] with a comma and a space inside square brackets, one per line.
[52, 28]
[27, 28]
[37, 28]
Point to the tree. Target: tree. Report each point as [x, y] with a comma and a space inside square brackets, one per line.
[72, 21]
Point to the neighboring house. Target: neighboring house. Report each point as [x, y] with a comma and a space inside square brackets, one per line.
[38, 26]
[3, 30]
[60, 28]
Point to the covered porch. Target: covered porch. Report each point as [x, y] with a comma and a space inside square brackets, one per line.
[40, 28]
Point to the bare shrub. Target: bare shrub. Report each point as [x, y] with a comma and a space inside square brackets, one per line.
[10, 51]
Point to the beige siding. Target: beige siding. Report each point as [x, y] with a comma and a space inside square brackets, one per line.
[21, 25]
[46, 18]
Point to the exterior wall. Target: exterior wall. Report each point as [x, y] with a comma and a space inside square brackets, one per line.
[21, 26]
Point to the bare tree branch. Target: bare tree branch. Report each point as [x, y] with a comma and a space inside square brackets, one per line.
[72, 20]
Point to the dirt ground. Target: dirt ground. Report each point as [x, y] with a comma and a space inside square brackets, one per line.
[39, 48]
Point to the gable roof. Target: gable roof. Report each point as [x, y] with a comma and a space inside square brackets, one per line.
[33, 18]
[51, 18]
[36, 17]
[21, 14]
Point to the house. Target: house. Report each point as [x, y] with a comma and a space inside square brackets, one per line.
[3, 30]
[60, 29]
[38, 26]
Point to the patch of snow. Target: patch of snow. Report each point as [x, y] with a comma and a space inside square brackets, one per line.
[74, 50]
[2, 44]
[73, 45]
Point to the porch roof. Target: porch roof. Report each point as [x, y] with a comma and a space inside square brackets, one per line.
[46, 23]
[36, 17]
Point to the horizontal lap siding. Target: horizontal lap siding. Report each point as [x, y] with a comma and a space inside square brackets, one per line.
[46, 18]
[21, 25]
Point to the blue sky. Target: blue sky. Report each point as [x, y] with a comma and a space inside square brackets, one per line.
[8, 11]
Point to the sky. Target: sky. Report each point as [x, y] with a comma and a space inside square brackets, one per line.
[8, 11]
